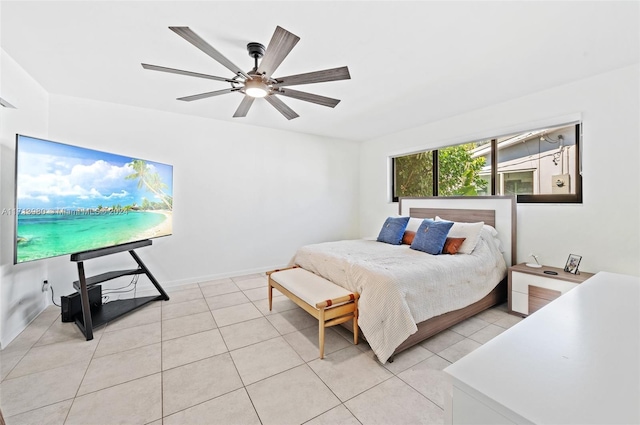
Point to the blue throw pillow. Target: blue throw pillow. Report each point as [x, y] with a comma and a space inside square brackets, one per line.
[431, 236]
[393, 230]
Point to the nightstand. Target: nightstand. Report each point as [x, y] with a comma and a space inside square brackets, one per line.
[530, 288]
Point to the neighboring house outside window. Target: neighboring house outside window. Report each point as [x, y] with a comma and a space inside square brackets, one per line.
[537, 166]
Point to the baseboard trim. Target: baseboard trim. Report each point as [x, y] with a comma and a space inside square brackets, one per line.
[207, 278]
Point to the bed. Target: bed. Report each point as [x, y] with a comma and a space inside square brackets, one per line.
[407, 296]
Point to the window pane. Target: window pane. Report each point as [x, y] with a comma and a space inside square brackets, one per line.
[540, 162]
[459, 170]
[486, 190]
[519, 183]
[539, 166]
[413, 175]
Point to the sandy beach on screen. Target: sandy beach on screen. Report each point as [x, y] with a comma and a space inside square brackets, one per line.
[164, 228]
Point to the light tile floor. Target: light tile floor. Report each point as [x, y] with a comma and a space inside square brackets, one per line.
[215, 354]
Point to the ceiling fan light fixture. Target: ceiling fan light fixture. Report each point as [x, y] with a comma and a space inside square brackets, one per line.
[256, 88]
[259, 82]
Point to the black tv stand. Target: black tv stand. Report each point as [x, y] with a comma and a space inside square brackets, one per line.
[89, 319]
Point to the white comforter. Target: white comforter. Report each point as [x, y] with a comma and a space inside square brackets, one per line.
[400, 287]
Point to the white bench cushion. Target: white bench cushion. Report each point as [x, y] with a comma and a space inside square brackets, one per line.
[307, 286]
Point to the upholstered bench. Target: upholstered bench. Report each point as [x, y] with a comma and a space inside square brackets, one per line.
[327, 302]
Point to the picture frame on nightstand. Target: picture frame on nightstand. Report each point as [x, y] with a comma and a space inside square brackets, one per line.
[572, 263]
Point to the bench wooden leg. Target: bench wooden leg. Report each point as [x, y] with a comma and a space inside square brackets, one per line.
[340, 309]
[355, 322]
[321, 333]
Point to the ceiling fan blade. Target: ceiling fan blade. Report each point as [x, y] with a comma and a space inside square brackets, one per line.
[281, 107]
[325, 75]
[207, 94]
[279, 47]
[309, 97]
[193, 38]
[189, 73]
[6, 104]
[244, 107]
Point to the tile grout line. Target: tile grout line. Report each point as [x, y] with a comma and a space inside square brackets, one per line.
[304, 362]
[45, 370]
[228, 352]
[243, 385]
[162, 370]
[322, 380]
[416, 390]
[84, 375]
[119, 383]
[352, 414]
[43, 334]
[6, 377]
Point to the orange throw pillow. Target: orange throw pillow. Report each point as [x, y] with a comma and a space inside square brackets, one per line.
[408, 236]
[451, 245]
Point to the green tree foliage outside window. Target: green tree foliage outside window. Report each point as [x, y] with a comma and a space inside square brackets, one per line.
[414, 175]
[458, 173]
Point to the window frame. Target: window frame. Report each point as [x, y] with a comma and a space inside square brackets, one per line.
[573, 198]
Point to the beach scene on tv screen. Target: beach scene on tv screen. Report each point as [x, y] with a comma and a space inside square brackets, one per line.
[71, 199]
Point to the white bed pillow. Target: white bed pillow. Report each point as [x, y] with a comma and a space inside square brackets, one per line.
[493, 234]
[413, 224]
[491, 230]
[469, 231]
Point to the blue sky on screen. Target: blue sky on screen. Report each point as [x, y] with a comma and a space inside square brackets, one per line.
[58, 176]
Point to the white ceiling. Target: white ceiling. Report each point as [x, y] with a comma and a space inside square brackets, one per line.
[411, 63]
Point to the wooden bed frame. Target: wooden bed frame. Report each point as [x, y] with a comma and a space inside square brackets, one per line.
[437, 324]
[467, 214]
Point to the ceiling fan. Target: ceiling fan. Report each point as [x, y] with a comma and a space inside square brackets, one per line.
[259, 81]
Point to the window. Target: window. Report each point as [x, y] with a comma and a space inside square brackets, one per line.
[536, 166]
[459, 171]
[518, 183]
[413, 175]
[450, 171]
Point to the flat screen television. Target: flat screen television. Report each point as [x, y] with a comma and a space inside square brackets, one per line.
[71, 199]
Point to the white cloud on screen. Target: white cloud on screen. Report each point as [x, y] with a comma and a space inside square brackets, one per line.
[44, 177]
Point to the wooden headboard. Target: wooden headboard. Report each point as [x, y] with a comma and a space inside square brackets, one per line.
[496, 211]
[461, 215]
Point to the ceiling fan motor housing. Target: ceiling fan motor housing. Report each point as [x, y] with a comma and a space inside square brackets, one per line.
[256, 50]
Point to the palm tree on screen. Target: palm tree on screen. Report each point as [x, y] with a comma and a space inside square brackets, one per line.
[151, 180]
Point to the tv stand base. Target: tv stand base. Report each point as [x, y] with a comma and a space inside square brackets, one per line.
[89, 319]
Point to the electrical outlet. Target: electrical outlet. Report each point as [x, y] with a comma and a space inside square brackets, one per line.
[45, 285]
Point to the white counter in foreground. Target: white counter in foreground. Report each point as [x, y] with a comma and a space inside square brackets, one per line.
[575, 361]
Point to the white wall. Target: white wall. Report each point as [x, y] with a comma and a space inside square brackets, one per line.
[245, 198]
[21, 297]
[605, 228]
